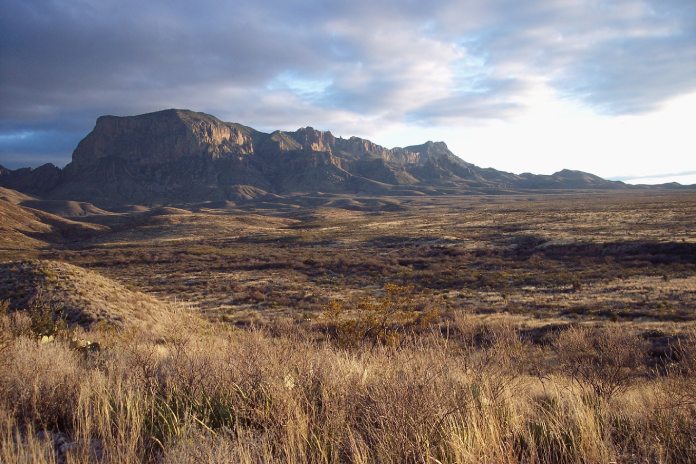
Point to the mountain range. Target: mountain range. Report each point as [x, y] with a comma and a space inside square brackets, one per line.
[181, 156]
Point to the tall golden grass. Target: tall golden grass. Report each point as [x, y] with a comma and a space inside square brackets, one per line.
[480, 394]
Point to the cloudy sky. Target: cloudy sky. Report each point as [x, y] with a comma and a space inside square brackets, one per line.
[602, 86]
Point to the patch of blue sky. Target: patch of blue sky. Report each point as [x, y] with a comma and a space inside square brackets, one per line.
[471, 75]
[15, 136]
[306, 88]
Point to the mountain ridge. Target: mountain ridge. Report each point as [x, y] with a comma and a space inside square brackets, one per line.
[179, 156]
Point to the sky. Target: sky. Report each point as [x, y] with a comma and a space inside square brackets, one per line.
[607, 87]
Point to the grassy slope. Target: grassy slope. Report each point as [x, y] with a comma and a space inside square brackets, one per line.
[80, 296]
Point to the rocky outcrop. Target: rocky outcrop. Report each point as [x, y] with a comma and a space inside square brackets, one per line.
[162, 137]
[179, 156]
[314, 140]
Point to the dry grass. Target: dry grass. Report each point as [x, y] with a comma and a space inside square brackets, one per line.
[479, 395]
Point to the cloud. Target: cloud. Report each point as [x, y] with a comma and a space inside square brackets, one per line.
[352, 66]
[491, 99]
[619, 57]
[687, 178]
[634, 179]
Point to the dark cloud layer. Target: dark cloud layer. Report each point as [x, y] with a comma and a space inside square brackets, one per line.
[346, 65]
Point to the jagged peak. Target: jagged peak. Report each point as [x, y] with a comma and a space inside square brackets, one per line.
[431, 144]
[439, 144]
[41, 168]
[430, 148]
[48, 166]
[313, 131]
[313, 139]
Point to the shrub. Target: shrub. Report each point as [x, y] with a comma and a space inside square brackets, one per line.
[46, 321]
[604, 360]
[379, 320]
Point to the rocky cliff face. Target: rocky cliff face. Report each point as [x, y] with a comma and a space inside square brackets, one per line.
[177, 156]
[162, 137]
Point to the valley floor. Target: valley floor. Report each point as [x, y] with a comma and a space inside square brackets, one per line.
[520, 328]
[617, 256]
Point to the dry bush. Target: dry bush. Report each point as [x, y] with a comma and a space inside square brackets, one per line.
[679, 381]
[684, 354]
[605, 360]
[652, 423]
[199, 445]
[5, 328]
[379, 320]
[493, 351]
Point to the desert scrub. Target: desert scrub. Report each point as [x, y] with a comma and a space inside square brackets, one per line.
[603, 361]
[379, 320]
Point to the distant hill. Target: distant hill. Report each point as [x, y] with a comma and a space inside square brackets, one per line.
[24, 224]
[180, 156]
[65, 208]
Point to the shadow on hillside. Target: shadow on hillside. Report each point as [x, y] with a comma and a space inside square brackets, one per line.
[403, 241]
[626, 252]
